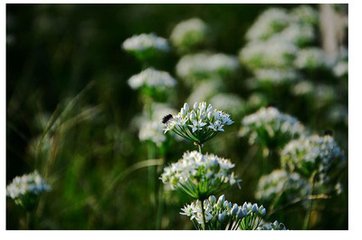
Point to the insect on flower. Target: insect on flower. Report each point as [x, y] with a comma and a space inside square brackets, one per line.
[166, 118]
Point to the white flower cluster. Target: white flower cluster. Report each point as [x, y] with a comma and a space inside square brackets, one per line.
[199, 124]
[199, 175]
[189, 34]
[221, 214]
[292, 185]
[230, 102]
[28, 185]
[276, 76]
[146, 42]
[193, 67]
[311, 58]
[275, 41]
[297, 26]
[274, 53]
[305, 15]
[151, 129]
[298, 34]
[269, 125]
[151, 78]
[272, 226]
[314, 153]
[271, 21]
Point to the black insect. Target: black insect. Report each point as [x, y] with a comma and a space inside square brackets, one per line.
[166, 118]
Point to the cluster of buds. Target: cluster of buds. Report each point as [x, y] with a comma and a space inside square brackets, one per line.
[221, 214]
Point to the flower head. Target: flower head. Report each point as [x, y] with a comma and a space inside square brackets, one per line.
[275, 76]
[311, 59]
[152, 78]
[291, 185]
[25, 189]
[277, 52]
[198, 124]
[270, 22]
[224, 215]
[195, 67]
[145, 46]
[199, 175]
[270, 127]
[189, 34]
[315, 153]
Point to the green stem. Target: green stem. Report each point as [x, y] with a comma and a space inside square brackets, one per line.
[309, 211]
[159, 208]
[203, 215]
[199, 145]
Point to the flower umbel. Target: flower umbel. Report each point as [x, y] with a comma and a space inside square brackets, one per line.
[145, 46]
[223, 215]
[199, 124]
[271, 128]
[152, 78]
[315, 153]
[200, 175]
[25, 189]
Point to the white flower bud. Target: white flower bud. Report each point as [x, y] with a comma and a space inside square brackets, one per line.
[186, 107]
[221, 217]
[221, 200]
[235, 209]
[196, 104]
[254, 208]
[212, 199]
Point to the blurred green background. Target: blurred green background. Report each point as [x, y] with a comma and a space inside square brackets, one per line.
[65, 63]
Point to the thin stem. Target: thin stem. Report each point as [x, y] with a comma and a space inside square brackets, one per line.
[309, 211]
[203, 215]
[199, 145]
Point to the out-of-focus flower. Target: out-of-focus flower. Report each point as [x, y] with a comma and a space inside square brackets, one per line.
[275, 76]
[299, 34]
[311, 59]
[204, 90]
[231, 103]
[313, 154]
[272, 226]
[199, 124]
[145, 46]
[270, 22]
[224, 215]
[274, 53]
[290, 185]
[151, 127]
[341, 69]
[152, 78]
[199, 175]
[302, 88]
[26, 189]
[256, 101]
[305, 15]
[194, 67]
[189, 34]
[271, 128]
